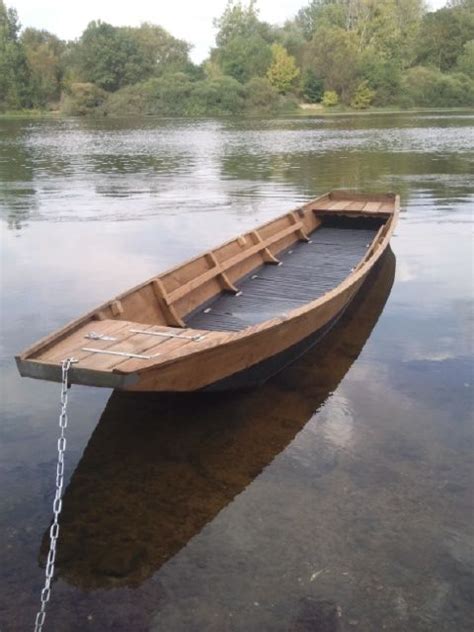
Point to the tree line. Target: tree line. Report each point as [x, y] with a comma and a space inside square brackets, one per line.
[356, 53]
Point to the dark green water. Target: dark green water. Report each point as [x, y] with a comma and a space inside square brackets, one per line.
[336, 498]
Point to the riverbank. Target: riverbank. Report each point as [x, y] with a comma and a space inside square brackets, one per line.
[304, 109]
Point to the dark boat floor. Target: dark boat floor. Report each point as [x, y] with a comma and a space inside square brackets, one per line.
[308, 271]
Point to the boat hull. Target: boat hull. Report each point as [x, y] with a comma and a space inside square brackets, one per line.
[233, 316]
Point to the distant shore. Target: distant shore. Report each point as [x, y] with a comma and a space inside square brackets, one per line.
[303, 110]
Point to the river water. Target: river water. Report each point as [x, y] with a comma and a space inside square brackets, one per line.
[338, 497]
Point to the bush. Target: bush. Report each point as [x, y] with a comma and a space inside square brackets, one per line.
[383, 76]
[465, 61]
[313, 87]
[429, 87]
[330, 99]
[83, 98]
[363, 96]
[260, 95]
[216, 96]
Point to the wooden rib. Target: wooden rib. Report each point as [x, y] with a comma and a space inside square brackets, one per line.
[267, 255]
[302, 236]
[221, 275]
[116, 308]
[163, 299]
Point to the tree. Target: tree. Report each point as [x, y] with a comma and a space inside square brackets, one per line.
[14, 71]
[334, 55]
[282, 71]
[110, 57]
[43, 52]
[363, 96]
[162, 53]
[443, 35]
[313, 86]
[465, 62]
[243, 42]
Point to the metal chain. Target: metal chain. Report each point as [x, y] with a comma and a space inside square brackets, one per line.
[57, 503]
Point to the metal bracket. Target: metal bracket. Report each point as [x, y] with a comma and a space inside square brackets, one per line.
[164, 334]
[123, 354]
[93, 335]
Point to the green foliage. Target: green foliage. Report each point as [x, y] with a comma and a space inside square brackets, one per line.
[15, 90]
[429, 87]
[334, 54]
[218, 96]
[243, 58]
[363, 96]
[243, 42]
[443, 35]
[465, 61]
[260, 95]
[161, 52]
[282, 71]
[313, 86]
[330, 99]
[43, 52]
[382, 75]
[111, 57]
[83, 98]
[363, 52]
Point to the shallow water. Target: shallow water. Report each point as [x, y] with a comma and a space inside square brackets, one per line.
[337, 497]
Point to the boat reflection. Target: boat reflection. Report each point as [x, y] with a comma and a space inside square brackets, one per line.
[158, 468]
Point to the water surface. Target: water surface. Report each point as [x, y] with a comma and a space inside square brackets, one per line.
[338, 497]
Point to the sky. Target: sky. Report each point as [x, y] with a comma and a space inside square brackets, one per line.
[190, 20]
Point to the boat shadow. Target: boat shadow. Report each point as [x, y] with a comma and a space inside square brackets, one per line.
[159, 467]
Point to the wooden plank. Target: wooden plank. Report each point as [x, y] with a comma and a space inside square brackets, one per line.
[321, 204]
[139, 343]
[70, 345]
[355, 206]
[387, 207]
[372, 207]
[189, 346]
[339, 205]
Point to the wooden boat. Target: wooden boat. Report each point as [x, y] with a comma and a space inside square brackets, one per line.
[157, 470]
[233, 316]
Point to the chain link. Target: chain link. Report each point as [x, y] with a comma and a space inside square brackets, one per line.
[57, 503]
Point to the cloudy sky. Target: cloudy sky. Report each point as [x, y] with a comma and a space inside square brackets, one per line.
[188, 19]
